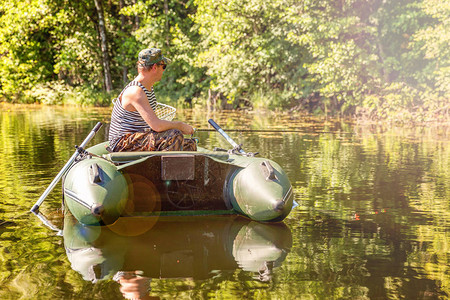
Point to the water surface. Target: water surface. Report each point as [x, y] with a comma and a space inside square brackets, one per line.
[372, 222]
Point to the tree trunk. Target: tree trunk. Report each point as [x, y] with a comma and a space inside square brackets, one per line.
[136, 19]
[166, 12]
[123, 28]
[104, 45]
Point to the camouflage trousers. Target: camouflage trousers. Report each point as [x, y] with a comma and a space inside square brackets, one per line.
[170, 140]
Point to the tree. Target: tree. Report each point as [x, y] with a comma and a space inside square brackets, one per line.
[432, 41]
[245, 50]
[27, 46]
[104, 45]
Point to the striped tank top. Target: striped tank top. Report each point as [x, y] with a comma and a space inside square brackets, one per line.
[124, 121]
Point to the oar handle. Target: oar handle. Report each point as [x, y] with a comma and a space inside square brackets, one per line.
[97, 127]
[225, 135]
[52, 185]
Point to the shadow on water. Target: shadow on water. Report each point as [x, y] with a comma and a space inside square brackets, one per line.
[135, 250]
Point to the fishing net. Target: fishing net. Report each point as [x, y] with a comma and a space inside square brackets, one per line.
[165, 112]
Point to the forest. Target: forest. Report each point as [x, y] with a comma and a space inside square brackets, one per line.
[371, 59]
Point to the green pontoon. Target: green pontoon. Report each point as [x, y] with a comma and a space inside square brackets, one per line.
[101, 186]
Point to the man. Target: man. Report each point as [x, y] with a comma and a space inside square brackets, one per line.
[134, 124]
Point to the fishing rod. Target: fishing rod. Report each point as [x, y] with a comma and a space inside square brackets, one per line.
[266, 130]
[248, 130]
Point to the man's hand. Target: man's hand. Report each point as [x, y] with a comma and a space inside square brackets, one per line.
[186, 129]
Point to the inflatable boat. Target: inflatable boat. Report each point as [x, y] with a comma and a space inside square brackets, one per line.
[100, 187]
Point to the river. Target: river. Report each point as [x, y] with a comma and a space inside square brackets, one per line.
[372, 220]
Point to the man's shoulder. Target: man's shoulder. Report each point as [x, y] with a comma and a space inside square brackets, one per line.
[133, 90]
[133, 94]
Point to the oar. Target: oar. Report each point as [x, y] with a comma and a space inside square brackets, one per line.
[226, 136]
[35, 208]
[49, 224]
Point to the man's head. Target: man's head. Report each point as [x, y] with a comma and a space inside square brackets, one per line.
[149, 57]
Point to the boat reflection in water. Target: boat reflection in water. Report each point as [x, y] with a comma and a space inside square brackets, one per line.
[134, 250]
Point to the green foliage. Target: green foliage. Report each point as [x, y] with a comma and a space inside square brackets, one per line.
[396, 103]
[245, 50]
[26, 45]
[340, 65]
[168, 25]
[433, 41]
[57, 93]
[324, 57]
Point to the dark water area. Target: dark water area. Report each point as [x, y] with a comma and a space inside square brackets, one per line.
[372, 220]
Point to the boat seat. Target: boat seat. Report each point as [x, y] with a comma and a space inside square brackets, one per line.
[118, 157]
